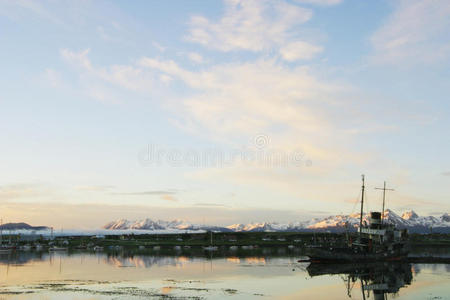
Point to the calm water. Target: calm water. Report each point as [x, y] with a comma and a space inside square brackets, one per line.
[31, 275]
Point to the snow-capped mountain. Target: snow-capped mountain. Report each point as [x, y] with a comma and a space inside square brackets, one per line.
[409, 220]
[149, 224]
[445, 218]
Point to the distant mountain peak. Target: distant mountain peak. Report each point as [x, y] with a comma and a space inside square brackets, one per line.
[445, 217]
[21, 226]
[410, 215]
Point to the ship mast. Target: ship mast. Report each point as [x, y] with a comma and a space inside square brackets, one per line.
[384, 199]
[362, 205]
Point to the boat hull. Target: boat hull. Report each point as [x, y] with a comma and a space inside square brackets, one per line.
[58, 249]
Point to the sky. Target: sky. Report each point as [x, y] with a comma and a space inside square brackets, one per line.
[221, 112]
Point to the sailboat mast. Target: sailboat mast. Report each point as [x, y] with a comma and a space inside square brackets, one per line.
[384, 200]
[362, 205]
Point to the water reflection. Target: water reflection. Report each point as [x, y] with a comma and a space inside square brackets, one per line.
[22, 258]
[238, 274]
[376, 280]
[141, 261]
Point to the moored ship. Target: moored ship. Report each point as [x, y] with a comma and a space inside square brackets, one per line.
[375, 241]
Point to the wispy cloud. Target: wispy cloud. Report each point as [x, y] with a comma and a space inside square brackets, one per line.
[126, 76]
[320, 2]
[111, 32]
[416, 32]
[24, 191]
[95, 188]
[253, 25]
[170, 198]
[158, 46]
[203, 204]
[267, 94]
[299, 50]
[17, 10]
[195, 57]
[166, 195]
[147, 193]
[99, 81]
[445, 173]
[53, 78]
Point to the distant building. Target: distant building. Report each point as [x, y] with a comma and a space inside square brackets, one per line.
[98, 236]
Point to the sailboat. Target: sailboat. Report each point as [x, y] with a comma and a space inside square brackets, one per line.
[211, 247]
[56, 248]
[377, 241]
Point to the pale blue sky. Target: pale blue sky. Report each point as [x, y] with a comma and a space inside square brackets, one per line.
[339, 87]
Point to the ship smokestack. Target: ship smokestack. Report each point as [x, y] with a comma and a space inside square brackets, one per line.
[375, 219]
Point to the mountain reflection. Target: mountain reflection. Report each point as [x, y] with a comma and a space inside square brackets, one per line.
[376, 280]
[145, 261]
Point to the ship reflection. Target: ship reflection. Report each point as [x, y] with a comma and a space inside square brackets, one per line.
[377, 280]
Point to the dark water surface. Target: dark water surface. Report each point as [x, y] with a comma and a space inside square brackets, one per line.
[89, 275]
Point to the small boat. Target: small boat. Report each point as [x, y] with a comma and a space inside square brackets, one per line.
[25, 248]
[98, 248]
[211, 247]
[156, 248]
[6, 250]
[38, 247]
[56, 249]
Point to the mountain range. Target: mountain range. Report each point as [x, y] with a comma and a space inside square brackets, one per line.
[338, 223]
[21, 226]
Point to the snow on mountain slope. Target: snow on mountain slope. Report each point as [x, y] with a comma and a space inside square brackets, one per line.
[149, 224]
[408, 219]
[119, 224]
[410, 215]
